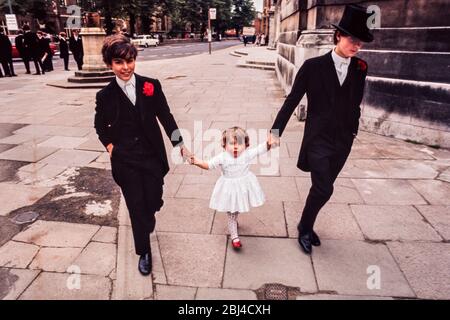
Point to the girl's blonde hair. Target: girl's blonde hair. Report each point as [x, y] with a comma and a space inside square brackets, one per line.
[235, 133]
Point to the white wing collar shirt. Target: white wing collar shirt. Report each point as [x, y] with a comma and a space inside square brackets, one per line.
[128, 87]
[341, 65]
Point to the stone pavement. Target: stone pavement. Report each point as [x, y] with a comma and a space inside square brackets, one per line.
[385, 232]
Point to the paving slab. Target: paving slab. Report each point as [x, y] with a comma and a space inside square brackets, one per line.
[171, 184]
[388, 192]
[97, 258]
[158, 272]
[267, 220]
[130, 284]
[164, 292]
[344, 191]
[92, 144]
[63, 142]
[6, 129]
[403, 150]
[425, 266]
[8, 229]
[15, 196]
[36, 130]
[365, 151]
[14, 281]
[185, 216]
[393, 223]
[106, 235]
[224, 294]
[268, 260]
[68, 158]
[55, 259]
[335, 221]
[434, 191]
[279, 188]
[27, 153]
[195, 191]
[352, 267]
[438, 217]
[193, 260]
[58, 234]
[363, 168]
[47, 172]
[17, 255]
[64, 286]
[24, 138]
[4, 147]
[408, 169]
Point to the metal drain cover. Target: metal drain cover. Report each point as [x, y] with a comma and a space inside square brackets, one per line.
[275, 291]
[25, 217]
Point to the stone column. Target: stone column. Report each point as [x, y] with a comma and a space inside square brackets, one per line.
[93, 38]
[95, 73]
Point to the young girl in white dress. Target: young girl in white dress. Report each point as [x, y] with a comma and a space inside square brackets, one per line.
[238, 188]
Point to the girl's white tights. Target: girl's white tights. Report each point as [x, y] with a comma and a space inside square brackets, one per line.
[232, 225]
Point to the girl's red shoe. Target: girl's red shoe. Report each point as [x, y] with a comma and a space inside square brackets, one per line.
[236, 243]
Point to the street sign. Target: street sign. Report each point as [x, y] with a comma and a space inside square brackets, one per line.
[11, 22]
[212, 13]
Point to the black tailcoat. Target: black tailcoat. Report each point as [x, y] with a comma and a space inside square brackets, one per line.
[139, 161]
[63, 48]
[318, 79]
[152, 108]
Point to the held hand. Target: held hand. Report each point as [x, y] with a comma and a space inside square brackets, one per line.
[185, 153]
[110, 148]
[192, 160]
[272, 141]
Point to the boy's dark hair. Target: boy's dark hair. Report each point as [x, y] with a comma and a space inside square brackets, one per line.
[118, 47]
[336, 33]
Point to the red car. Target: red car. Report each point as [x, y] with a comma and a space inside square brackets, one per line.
[15, 52]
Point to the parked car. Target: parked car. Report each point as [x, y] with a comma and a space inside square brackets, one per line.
[15, 52]
[145, 40]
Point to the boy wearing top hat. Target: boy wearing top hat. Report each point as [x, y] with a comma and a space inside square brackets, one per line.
[334, 84]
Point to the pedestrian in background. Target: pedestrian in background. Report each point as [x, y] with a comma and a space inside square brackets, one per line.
[45, 52]
[23, 52]
[64, 50]
[31, 43]
[6, 54]
[76, 46]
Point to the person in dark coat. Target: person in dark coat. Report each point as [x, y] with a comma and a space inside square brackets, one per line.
[334, 84]
[126, 121]
[76, 46]
[31, 44]
[23, 52]
[45, 52]
[6, 55]
[64, 50]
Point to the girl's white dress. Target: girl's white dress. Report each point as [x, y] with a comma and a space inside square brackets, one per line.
[238, 188]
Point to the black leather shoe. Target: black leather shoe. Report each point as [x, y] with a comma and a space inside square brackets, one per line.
[145, 264]
[315, 241]
[305, 242]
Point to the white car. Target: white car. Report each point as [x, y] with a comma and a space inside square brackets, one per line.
[145, 40]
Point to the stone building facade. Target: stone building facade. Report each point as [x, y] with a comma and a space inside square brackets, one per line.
[408, 85]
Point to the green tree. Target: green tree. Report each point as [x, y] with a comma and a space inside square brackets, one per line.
[37, 9]
[243, 14]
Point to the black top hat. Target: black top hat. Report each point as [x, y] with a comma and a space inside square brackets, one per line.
[354, 23]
